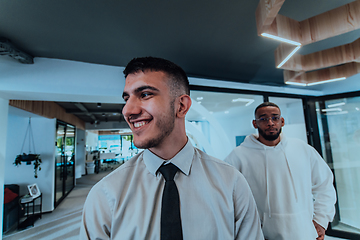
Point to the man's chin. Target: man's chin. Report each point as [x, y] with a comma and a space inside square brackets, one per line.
[271, 137]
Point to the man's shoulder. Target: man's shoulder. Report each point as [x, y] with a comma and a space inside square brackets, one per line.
[210, 160]
[290, 141]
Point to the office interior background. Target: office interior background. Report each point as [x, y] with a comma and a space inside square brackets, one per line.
[72, 84]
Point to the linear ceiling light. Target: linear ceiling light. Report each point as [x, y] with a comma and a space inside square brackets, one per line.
[331, 110]
[247, 100]
[296, 83]
[280, 39]
[326, 81]
[315, 83]
[336, 104]
[288, 57]
[337, 113]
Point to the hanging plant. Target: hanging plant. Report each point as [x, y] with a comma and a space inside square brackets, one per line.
[28, 158]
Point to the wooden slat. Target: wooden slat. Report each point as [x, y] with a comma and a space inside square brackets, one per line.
[285, 27]
[48, 110]
[322, 59]
[346, 70]
[338, 21]
[294, 63]
[291, 75]
[332, 23]
[341, 20]
[266, 12]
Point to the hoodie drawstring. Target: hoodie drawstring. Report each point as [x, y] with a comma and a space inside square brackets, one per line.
[291, 175]
[267, 184]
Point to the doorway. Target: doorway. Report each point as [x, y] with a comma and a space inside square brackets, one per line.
[64, 161]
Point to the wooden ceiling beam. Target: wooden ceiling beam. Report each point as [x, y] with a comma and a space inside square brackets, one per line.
[266, 12]
[322, 59]
[345, 70]
[332, 23]
[337, 62]
[290, 76]
[285, 27]
[294, 63]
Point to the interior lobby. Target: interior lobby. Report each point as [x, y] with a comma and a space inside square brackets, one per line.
[72, 90]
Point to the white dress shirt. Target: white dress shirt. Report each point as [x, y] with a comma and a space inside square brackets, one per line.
[215, 200]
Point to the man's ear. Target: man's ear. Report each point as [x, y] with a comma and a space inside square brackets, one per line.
[282, 121]
[254, 124]
[184, 104]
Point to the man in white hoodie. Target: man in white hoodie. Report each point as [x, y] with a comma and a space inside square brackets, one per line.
[291, 183]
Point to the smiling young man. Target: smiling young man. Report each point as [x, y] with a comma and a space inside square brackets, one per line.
[212, 199]
[291, 183]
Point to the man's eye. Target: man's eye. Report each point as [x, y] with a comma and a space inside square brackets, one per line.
[276, 118]
[262, 119]
[145, 94]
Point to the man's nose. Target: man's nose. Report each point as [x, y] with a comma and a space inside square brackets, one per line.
[270, 121]
[131, 107]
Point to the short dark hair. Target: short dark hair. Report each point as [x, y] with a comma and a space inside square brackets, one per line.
[176, 74]
[266, 104]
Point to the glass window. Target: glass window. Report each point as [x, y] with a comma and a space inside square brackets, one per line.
[218, 122]
[339, 128]
[293, 114]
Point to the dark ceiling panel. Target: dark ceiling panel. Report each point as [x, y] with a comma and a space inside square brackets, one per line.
[94, 112]
[209, 39]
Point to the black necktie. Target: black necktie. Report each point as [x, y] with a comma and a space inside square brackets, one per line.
[170, 207]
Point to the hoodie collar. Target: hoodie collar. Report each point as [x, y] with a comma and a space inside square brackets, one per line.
[252, 141]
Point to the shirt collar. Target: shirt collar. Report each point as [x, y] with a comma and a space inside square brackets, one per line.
[182, 159]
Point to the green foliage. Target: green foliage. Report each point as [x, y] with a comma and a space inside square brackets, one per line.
[127, 137]
[70, 141]
[29, 158]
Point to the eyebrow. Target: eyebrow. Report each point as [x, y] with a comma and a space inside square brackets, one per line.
[140, 89]
[275, 114]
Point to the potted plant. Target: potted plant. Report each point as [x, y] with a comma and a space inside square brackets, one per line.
[28, 158]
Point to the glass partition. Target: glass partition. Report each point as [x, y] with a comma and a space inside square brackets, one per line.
[293, 114]
[339, 126]
[218, 122]
[64, 161]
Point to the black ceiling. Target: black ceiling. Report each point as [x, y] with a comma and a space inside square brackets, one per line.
[94, 112]
[209, 39]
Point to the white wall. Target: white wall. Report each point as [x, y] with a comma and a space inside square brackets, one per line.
[92, 140]
[80, 149]
[4, 105]
[44, 131]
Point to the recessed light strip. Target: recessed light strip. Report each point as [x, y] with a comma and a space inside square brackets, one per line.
[331, 110]
[315, 83]
[288, 57]
[336, 104]
[280, 39]
[326, 81]
[296, 83]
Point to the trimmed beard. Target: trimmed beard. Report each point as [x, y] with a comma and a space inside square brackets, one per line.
[165, 126]
[269, 137]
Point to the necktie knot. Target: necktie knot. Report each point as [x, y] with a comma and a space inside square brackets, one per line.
[168, 171]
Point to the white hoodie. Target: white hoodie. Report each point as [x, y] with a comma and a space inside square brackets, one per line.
[291, 183]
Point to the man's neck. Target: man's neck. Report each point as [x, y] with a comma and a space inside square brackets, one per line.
[168, 149]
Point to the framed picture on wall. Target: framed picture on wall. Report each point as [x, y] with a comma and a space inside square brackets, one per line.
[34, 190]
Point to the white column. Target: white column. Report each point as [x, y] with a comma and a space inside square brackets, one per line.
[4, 111]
